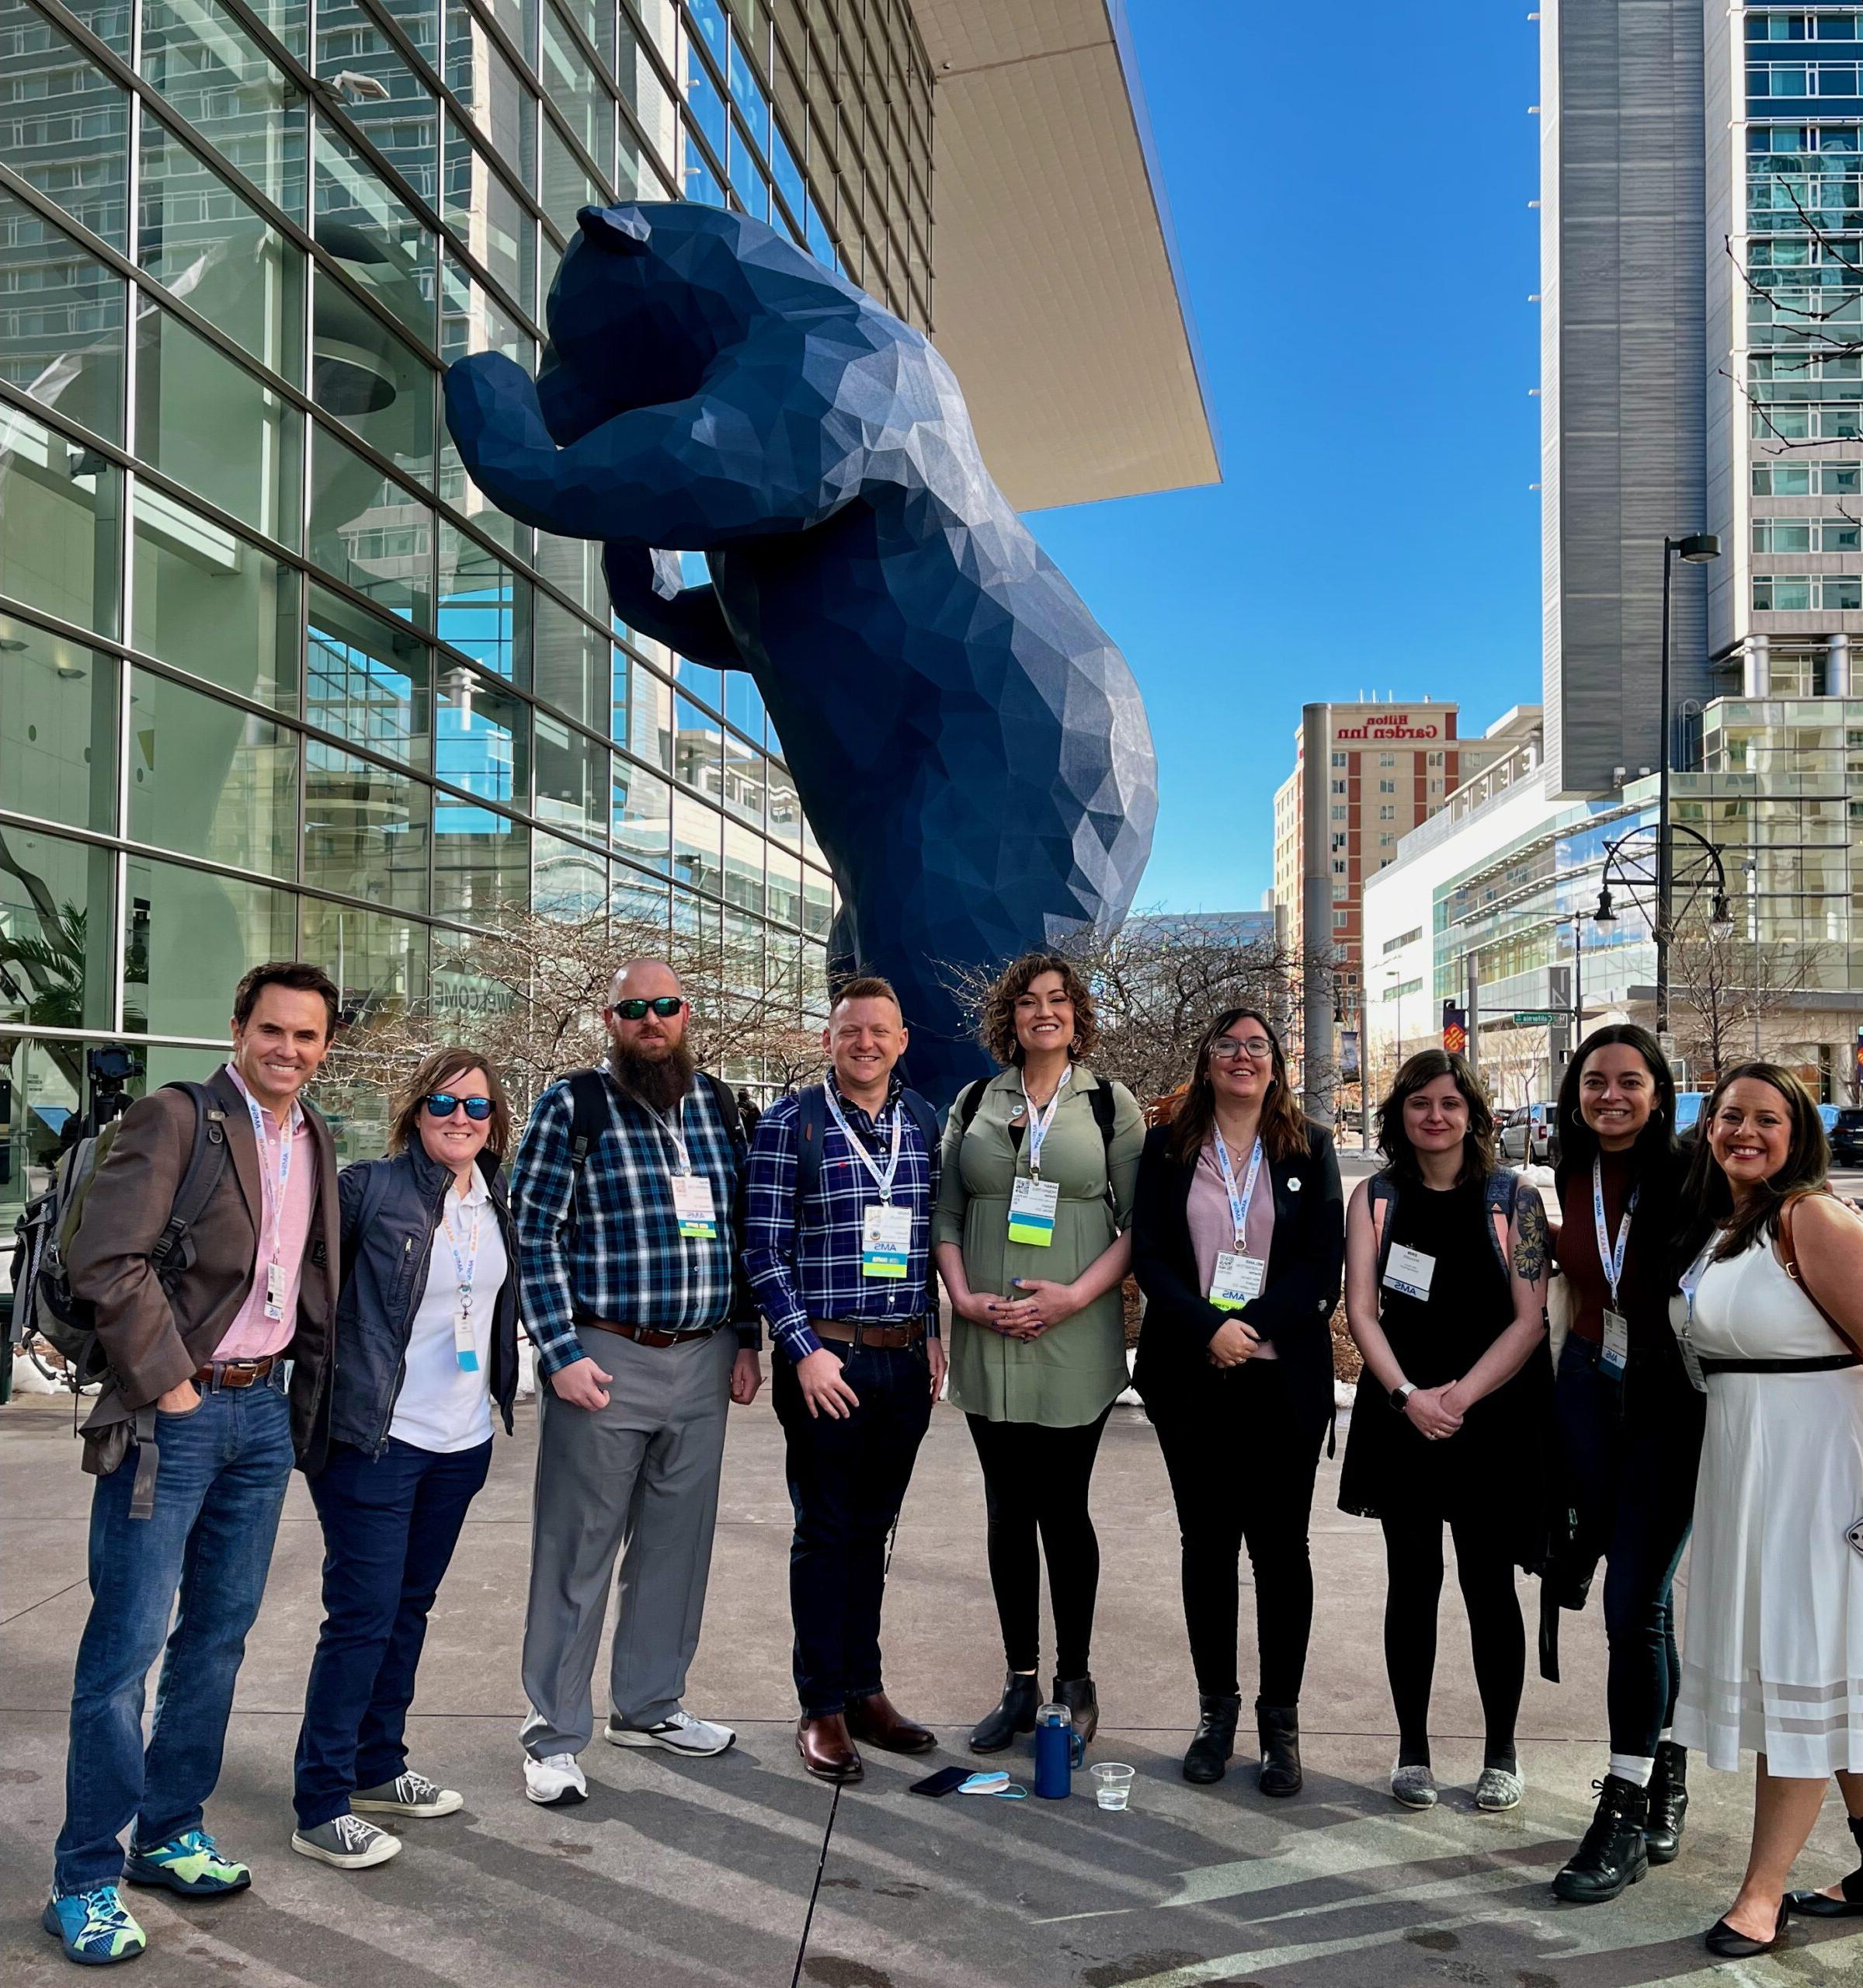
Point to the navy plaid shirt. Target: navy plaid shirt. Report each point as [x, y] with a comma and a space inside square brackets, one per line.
[630, 1262]
[823, 1280]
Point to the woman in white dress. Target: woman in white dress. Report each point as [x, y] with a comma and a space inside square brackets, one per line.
[1771, 1315]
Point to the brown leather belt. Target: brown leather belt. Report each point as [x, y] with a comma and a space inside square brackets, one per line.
[647, 1334]
[857, 1333]
[234, 1373]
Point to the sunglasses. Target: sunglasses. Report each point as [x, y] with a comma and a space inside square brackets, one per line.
[442, 1105]
[665, 1005]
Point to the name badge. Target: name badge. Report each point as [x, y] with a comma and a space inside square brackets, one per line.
[886, 1241]
[1616, 1355]
[1031, 1212]
[465, 1343]
[691, 1204]
[275, 1291]
[1409, 1271]
[1237, 1280]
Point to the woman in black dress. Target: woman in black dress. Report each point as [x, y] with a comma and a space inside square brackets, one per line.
[1445, 1295]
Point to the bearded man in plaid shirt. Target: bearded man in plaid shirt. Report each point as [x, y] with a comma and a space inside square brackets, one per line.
[628, 1194]
[842, 1180]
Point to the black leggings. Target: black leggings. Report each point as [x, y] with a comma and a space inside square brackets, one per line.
[1241, 1465]
[1036, 1477]
[1484, 1568]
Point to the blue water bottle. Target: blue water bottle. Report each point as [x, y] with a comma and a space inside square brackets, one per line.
[1054, 1752]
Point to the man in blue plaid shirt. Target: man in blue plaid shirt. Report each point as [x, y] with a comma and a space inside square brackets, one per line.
[840, 1259]
[645, 1327]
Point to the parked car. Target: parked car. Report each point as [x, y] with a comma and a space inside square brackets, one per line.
[1847, 1136]
[1531, 1135]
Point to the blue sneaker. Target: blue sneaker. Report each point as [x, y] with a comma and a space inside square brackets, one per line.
[94, 1927]
[190, 1864]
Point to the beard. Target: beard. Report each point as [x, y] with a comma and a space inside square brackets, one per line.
[658, 1081]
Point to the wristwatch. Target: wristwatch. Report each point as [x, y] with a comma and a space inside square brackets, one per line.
[1402, 1393]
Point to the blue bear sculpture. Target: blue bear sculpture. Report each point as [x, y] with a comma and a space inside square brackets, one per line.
[970, 749]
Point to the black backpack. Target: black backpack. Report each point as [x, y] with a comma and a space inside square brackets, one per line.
[588, 1119]
[812, 1129]
[1100, 1100]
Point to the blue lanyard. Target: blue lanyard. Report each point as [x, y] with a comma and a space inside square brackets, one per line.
[1612, 1260]
[1239, 1203]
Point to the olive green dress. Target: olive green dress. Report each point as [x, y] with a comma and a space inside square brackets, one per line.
[1067, 1375]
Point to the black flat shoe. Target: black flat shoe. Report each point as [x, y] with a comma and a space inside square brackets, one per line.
[1815, 1905]
[1015, 1714]
[1723, 1942]
[1207, 1758]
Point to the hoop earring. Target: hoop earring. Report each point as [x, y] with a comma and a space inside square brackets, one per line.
[1073, 1048]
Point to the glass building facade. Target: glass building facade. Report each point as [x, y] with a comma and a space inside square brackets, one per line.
[274, 678]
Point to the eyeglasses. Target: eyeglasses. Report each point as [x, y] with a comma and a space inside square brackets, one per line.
[1226, 1049]
[665, 1005]
[442, 1105]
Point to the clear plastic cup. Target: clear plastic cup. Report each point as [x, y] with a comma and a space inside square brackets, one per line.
[1112, 1783]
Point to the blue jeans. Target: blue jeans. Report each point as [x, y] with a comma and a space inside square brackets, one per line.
[847, 1479]
[390, 1525]
[223, 1470]
[1630, 1452]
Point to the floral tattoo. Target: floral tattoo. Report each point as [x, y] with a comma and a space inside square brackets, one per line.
[1531, 1236]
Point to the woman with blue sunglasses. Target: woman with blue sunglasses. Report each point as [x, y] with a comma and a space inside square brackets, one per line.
[426, 1344]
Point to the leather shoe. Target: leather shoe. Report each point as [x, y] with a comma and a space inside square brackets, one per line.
[1720, 1938]
[876, 1721]
[1207, 1760]
[826, 1750]
[1278, 1728]
[1021, 1697]
[1815, 1905]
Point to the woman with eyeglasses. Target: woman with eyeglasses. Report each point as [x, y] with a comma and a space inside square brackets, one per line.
[1770, 1323]
[1238, 1241]
[1446, 1297]
[1629, 1436]
[426, 1338]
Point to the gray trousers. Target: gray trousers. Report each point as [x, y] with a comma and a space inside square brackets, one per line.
[640, 1478]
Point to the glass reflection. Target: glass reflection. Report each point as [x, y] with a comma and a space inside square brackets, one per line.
[367, 679]
[58, 726]
[61, 335]
[209, 779]
[368, 531]
[65, 127]
[212, 603]
[365, 829]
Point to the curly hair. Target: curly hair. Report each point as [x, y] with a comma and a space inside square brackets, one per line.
[997, 1025]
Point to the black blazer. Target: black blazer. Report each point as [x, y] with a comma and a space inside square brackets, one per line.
[1306, 1263]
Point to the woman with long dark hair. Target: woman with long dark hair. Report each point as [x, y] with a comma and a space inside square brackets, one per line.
[1446, 1297]
[1629, 1431]
[1771, 1319]
[1238, 1241]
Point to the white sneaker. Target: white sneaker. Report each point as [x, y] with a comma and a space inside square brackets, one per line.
[682, 1733]
[347, 1842]
[555, 1778]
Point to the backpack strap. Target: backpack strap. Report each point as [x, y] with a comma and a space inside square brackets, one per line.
[588, 1119]
[723, 1096]
[206, 1162]
[1103, 1105]
[926, 1119]
[811, 1130]
[1501, 1195]
[1789, 1258]
[970, 1100]
[1382, 1197]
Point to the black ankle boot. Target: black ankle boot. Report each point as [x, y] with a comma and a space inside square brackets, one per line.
[1612, 1854]
[1015, 1713]
[1668, 1803]
[1278, 1729]
[1077, 1694]
[1815, 1905]
[1208, 1758]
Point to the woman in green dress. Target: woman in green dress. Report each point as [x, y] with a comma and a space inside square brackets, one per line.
[1034, 1201]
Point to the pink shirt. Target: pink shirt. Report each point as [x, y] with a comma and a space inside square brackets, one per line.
[251, 1335]
[1213, 1226]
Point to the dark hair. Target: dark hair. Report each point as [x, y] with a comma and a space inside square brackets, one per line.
[866, 987]
[297, 974]
[434, 1073]
[1708, 1200]
[1285, 1128]
[1424, 1067]
[998, 1024]
[1652, 1156]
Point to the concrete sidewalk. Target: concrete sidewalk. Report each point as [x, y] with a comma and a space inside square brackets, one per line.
[675, 1873]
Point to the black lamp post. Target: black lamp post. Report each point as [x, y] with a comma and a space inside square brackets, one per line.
[1693, 549]
[1627, 865]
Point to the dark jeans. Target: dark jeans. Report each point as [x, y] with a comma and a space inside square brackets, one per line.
[390, 1525]
[1630, 1452]
[1035, 1479]
[1242, 1470]
[847, 1480]
[223, 1470]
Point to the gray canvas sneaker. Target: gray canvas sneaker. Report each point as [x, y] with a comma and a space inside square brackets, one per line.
[347, 1842]
[408, 1794]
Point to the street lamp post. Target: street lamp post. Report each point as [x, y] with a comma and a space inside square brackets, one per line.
[1693, 549]
[1628, 869]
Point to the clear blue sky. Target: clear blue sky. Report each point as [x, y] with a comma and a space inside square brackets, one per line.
[1350, 192]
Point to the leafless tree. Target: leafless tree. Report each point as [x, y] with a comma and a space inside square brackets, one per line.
[1732, 996]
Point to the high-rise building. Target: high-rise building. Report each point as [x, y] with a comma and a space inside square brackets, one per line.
[274, 678]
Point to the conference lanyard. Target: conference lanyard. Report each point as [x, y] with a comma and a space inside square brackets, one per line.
[692, 1203]
[676, 1133]
[1610, 1258]
[1239, 1203]
[1691, 1280]
[1040, 1121]
[271, 1197]
[883, 1181]
[465, 1266]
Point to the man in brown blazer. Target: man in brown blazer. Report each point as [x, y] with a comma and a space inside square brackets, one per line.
[194, 1410]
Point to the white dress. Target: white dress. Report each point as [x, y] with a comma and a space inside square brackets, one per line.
[1772, 1654]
